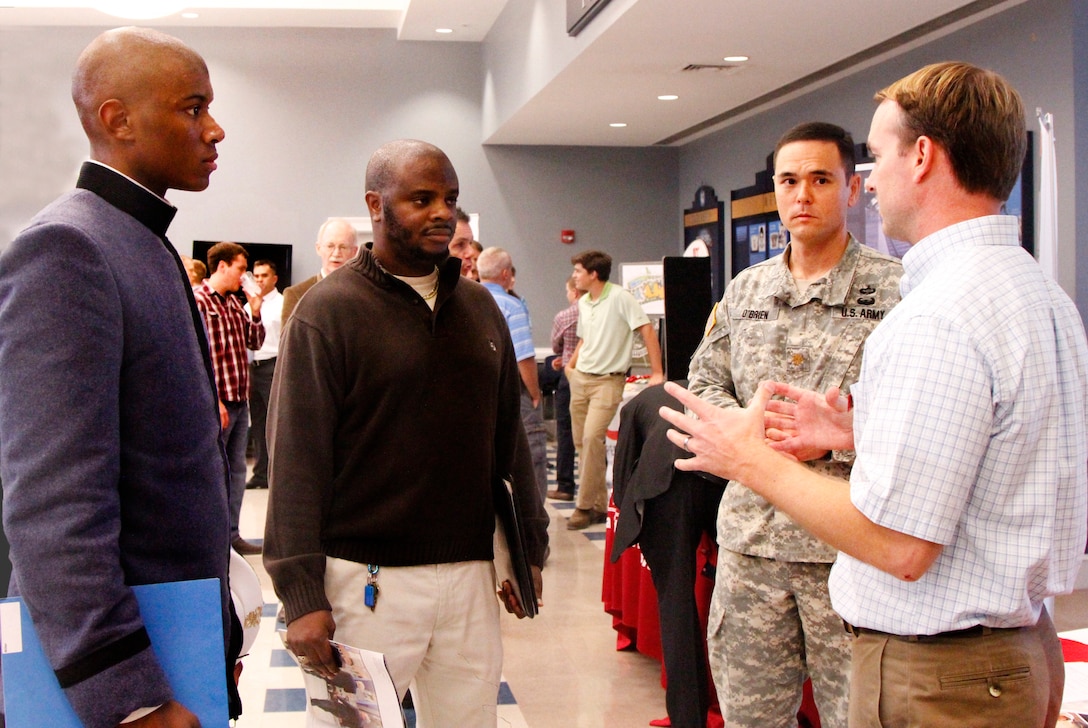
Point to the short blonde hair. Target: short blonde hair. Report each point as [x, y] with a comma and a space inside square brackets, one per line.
[973, 114]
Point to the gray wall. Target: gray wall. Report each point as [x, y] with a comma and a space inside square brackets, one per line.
[527, 47]
[1030, 44]
[303, 109]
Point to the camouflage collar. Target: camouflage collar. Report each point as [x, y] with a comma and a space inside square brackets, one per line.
[832, 289]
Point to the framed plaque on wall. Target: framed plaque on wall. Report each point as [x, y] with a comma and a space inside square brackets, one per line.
[704, 222]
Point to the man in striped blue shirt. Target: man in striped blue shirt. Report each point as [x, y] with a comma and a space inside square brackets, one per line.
[496, 270]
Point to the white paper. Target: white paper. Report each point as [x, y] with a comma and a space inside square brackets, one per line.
[11, 628]
[363, 687]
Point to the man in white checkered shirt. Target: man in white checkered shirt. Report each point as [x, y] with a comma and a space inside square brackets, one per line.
[967, 501]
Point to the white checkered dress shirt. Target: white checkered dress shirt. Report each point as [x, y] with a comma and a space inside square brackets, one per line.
[970, 432]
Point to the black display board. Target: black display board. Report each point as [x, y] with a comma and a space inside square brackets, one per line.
[275, 252]
[688, 301]
[755, 228]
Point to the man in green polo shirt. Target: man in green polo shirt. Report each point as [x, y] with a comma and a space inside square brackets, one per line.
[608, 317]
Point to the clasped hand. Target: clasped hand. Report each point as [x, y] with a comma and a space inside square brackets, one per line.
[729, 442]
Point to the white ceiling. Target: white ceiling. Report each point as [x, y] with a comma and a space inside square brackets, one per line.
[414, 19]
[618, 76]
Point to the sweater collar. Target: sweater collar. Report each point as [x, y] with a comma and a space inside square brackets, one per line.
[449, 273]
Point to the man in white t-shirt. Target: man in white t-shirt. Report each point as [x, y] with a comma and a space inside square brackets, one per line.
[262, 366]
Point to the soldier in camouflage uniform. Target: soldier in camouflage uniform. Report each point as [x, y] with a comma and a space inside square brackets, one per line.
[801, 318]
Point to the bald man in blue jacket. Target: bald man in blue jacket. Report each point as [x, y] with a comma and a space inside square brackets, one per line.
[110, 455]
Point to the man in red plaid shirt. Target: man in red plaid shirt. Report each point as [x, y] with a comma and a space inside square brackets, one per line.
[230, 332]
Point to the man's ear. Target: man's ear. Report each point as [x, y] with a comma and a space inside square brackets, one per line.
[115, 119]
[926, 153]
[374, 205]
[855, 190]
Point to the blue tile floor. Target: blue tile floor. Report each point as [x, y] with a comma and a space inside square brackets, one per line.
[272, 690]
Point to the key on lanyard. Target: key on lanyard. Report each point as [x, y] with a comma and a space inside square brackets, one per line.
[370, 594]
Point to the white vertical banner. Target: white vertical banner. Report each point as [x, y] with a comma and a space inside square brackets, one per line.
[1046, 244]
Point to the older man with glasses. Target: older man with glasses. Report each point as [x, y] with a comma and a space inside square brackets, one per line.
[337, 243]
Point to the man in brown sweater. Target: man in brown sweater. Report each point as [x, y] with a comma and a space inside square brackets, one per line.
[379, 529]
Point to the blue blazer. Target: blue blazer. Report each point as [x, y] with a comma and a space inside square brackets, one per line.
[111, 463]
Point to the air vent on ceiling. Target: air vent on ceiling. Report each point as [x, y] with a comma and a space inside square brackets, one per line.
[725, 68]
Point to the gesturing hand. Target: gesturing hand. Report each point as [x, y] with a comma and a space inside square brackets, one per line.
[808, 423]
[723, 441]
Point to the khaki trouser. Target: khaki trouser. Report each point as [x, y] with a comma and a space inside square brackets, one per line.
[438, 625]
[1005, 678]
[594, 400]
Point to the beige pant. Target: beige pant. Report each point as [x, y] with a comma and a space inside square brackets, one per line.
[1006, 678]
[593, 403]
[438, 625]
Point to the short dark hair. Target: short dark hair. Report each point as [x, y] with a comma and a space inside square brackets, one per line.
[594, 261]
[821, 131]
[225, 252]
[462, 216]
[267, 264]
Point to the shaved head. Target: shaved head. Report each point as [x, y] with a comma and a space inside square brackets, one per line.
[411, 194]
[125, 64]
[143, 99]
[381, 171]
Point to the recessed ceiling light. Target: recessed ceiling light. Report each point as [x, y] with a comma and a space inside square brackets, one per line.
[443, 30]
[735, 59]
[668, 97]
[617, 125]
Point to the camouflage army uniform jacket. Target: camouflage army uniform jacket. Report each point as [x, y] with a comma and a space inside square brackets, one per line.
[765, 328]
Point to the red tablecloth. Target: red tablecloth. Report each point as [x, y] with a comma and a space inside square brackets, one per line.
[629, 596]
[1074, 651]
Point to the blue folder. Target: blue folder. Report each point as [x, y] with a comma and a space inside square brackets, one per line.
[184, 621]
